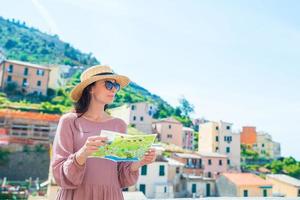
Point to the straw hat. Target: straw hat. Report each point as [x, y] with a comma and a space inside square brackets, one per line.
[96, 73]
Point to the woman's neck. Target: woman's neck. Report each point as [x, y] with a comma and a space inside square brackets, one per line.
[96, 112]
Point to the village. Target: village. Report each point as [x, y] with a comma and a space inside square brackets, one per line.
[207, 159]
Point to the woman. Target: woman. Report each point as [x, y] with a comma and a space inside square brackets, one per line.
[77, 137]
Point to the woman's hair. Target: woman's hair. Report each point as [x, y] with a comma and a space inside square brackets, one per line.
[82, 105]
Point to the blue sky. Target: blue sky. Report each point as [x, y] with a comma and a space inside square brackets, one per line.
[236, 61]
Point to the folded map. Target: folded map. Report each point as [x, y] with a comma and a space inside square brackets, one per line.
[123, 147]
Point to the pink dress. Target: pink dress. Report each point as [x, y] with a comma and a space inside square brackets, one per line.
[99, 179]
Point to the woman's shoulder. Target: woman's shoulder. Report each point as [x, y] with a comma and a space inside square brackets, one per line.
[70, 116]
[119, 123]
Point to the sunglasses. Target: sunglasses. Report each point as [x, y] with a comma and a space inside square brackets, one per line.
[109, 85]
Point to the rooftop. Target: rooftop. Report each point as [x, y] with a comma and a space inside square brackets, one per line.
[17, 62]
[187, 155]
[28, 115]
[173, 162]
[212, 154]
[246, 179]
[286, 179]
[169, 119]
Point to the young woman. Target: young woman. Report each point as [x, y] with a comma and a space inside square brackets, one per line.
[77, 137]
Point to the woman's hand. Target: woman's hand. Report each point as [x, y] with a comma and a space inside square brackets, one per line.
[91, 145]
[148, 158]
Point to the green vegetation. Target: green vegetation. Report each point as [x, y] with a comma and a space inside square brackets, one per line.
[286, 165]
[24, 43]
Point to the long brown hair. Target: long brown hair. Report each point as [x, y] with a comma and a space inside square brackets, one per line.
[82, 105]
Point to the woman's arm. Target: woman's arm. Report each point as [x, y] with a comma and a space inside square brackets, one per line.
[67, 172]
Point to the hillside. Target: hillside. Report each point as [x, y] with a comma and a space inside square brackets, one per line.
[20, 42]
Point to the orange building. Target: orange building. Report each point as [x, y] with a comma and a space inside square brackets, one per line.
[30, 78]
[248, 136]
[17, 127]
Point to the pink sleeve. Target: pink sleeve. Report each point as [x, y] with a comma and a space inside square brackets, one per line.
[67, 173]
[126, 176]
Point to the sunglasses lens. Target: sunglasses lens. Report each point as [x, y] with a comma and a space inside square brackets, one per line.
[109, 85]
[117, 86]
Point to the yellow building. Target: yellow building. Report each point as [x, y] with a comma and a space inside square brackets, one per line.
[29, 78]
[218, 137]
[243, 185]
[284, 185]
[266, 147]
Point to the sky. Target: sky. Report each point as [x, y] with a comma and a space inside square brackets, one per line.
[235, 61]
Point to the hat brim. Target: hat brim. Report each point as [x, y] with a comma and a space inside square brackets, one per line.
[77, 90]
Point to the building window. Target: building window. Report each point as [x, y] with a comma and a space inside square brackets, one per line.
[25, 83]
[25, 71]
[165, 189]
[161, 170]
[132, 107]
[217, 138]
[265, 193]
[228, 127]
[209, 161]
[220, 162]
[227, 149]
[143, 188]
[150, 113]
[169, 136]
[262, 145]
[217, 128]
[10, 68]
[40, 72]
[177, 170]
[299, 193]
[209, 174]
[170, 126]
[9, 78]
[228, 162]
[245, 193]
[144, 170]
[134, 118]
[142, 118]
[194, 188]
[39, 83]
[217, 148]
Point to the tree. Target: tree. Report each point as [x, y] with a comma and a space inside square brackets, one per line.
[185, 106]
[10, 44]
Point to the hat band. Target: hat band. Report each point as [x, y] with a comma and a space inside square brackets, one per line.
[102, 74]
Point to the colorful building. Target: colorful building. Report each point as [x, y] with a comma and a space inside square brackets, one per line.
[27, 127]
[243, 185]
[284, 186]
[138, 115]
[266, 147]
[29, 78]
[248, 136]
[168, 130]
[218, 137]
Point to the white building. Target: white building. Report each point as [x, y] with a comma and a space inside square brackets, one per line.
[57, 76]
[198, 186]
[153, 180]
[139, 115]
[218, 137]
